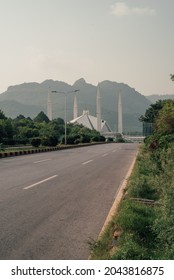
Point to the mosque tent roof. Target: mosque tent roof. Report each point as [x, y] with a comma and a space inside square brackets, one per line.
[91, 122]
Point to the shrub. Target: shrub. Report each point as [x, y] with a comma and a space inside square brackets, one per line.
[110, 139]
[70, 139]
[35, 142]
[85, 138]
[95, 138]
[50, 141]
[102, 138]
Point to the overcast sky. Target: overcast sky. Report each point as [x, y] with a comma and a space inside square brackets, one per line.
[127, 41]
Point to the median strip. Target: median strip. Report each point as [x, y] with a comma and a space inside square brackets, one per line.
[40, 182]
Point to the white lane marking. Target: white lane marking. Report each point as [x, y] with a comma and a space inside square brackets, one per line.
[8, 160]
[86, 162]
[105, 155]
[40, 182]
[43, 160]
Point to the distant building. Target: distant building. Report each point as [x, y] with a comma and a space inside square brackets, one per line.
[97, 123]
[91, 122]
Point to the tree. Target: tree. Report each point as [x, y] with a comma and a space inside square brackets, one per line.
[19, 117]
[58, 121]
[35, 142]
[41, 117]
[164, 123]
[152, 112]
[51, 141]
[2, 116]
[6, 131]
[2, 131]
[172, 77]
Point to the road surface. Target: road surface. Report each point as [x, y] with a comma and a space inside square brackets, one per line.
[52, 204]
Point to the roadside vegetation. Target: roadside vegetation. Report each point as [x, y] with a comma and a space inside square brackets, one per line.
[143, 227]
[41, 132]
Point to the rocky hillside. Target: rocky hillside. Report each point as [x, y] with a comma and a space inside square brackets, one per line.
[30, 98]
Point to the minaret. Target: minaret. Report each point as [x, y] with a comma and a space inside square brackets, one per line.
[120, 121]
[75, 110]
[49, 107]
[98, 109]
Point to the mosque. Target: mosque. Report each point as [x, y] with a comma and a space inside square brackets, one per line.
[89, 121]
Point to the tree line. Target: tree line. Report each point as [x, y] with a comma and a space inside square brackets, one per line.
[41, 131]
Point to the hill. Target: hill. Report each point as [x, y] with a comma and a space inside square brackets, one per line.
[12, 109]
[153, 98]
[30, 98]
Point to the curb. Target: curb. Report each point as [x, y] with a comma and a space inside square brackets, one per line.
[42, 150]
[119, 195]
[118, 198]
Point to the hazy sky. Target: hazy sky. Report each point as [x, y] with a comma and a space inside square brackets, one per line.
[127, 41]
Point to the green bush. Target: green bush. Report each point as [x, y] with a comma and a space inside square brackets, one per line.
[120, 140]
[70, 139]
[1, 147]
[98, 138]
[110, 139]
[50, 141]
[85, 138]
[95, 138]
[35, 142]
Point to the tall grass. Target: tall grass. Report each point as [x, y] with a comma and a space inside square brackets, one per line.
[147, 229]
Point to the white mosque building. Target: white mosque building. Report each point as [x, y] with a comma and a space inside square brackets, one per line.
[90, 121]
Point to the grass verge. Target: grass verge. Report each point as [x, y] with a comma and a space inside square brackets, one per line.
[143, 227]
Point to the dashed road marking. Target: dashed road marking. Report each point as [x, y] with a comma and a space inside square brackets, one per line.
[40, 182]
[43, 160]
[105, 155]
[86, 162]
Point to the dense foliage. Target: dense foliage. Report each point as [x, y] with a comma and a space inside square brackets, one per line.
[41, 131]
[146, 214]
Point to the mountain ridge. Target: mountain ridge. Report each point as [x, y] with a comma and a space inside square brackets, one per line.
[154, 97]
[35, 94]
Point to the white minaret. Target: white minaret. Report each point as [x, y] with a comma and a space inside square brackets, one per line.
[98, 109]
[75, 109]
[49, 107]
[120, 121]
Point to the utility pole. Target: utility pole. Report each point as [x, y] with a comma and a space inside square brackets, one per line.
[65, 94]
[75, 109]
[49, 106]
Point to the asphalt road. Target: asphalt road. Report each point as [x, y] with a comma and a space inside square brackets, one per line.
[52, 204]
